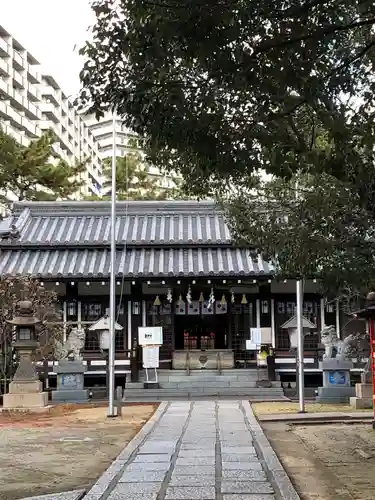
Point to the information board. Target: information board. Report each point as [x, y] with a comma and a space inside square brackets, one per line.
[256, 336]
[150, 356]
[150, 335]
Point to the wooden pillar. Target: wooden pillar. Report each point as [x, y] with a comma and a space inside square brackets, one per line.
[338, 318]
[65, 318]
[144, 313]
[322, 313]
[257, 310]
[273, 326]
[79, 313]
[129, 326]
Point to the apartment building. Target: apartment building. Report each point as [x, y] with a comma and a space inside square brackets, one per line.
[125, 141]
[31, 101]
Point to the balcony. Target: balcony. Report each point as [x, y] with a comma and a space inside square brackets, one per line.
[30, 128]
[51, 111]
[33, 112]
[4, 88]
[18, 101]
[4, 48]
[51, 94]
[18, 80]
[33, 93]
[32, 74]
[18, 61]
[4, 68]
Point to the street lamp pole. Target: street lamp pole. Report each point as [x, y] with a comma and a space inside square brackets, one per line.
[112, 303]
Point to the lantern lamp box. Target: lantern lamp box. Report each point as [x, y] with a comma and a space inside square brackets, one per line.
[150, 335]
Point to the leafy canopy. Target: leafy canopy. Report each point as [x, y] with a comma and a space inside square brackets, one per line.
[30, 174]
[222, 90]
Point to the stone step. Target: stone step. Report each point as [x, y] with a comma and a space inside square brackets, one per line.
[142, 398]
[204, 383]
[255, 391]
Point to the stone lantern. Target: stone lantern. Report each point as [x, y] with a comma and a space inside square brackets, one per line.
[25, 391]
[101, 327]
[291, 326]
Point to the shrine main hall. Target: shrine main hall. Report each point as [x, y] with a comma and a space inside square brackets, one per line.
[176, 267]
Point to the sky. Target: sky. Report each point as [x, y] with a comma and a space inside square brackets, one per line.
[49, 30]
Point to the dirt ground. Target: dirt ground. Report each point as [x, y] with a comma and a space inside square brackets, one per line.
[273, 407]
[327, 462]
[66, 449]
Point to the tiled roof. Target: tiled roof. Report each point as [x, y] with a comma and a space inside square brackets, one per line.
[138, 223]
[150, 262]
[66, 239]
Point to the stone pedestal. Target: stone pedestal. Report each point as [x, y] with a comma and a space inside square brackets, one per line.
[336, 381]
[25, 394]
[363, 397]
[70, 383]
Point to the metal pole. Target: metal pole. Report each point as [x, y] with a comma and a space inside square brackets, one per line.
[112, 303]
[300, 358]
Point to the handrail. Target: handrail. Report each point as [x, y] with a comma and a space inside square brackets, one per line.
[219, 367]
[187, 363]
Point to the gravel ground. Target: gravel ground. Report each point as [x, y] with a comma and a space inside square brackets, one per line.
[65, 450]
[327, 462]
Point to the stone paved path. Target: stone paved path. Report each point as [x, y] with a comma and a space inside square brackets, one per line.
[212, 450]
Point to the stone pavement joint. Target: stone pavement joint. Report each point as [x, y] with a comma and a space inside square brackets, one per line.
[206, 450]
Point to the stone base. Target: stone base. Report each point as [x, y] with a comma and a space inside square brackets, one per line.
[151, 385]
[25, 400]
[335, 394]
[32, 387]
[212, 359]
[70, 396]
[363, 391]
[361, 403]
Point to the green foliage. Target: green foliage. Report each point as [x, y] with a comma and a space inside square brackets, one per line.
[29, 173]
[222, 90]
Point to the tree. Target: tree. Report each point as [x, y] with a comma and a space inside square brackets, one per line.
[222, 90]
[214, 85]
[29, 173]
[45, 307]
[133, 180]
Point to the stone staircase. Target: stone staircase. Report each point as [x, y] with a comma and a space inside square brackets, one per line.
[205, 384]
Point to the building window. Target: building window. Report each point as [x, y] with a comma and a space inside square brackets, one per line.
[92, 312]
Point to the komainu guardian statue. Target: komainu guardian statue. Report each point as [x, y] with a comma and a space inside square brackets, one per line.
[73, 347]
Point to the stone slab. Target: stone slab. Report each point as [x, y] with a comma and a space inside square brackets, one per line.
[142, 476]
[335, 394]
[361, 403]
[238, 450]
[67, 495]
[190, 493]
[249, 497]
[138, 488]
[363, 390]
[153, 458]
[149, 467]
[192, 470]
[66, 366]
[237, 466]
[122, 495]
[181, 480]
[244, 475]
[33, 400]
[33, 386]
[242, 457]
[252, 487]
[70, 396]
[196, 453]
[184, 461]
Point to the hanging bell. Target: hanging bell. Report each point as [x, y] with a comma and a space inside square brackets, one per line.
[157, 301]
[232, 299]
[201, 297]
[244, 299]
[223, 301]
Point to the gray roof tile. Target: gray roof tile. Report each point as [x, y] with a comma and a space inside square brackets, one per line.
[134, 262]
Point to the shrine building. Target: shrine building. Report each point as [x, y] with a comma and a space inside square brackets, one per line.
[176, 267]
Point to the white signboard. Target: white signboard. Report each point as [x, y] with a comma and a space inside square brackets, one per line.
[150, 335]
[150, 356]
[256, 336]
